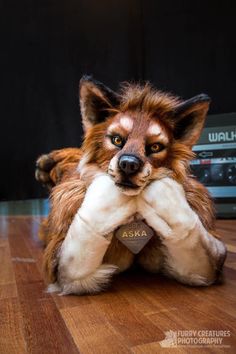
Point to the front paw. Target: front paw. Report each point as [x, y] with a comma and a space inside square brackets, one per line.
[105, 207]
[90, 284]
[164, 202]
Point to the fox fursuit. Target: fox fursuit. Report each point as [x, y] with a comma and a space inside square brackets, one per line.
[133, 165]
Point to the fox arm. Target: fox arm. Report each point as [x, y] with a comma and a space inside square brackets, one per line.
[66, 199]
[192, 254]
[85, 242]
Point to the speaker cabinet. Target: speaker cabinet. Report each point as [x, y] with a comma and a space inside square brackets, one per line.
[215, 162]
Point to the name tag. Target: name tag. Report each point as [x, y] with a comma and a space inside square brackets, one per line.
[134, 235]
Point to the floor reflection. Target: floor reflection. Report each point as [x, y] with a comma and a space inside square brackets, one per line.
[25, 207]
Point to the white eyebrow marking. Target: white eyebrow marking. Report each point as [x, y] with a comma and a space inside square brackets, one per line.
[127, 123]
[113, 126]
[154, 129]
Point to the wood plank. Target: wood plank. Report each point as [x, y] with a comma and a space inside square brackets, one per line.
[8, 290]
[231, 260]
[154, 348]
[6, 269]
[132, 286]
[132, 316]
[231, 248]
[24, 263]
[124, 285]
[7, 276]
[30, 237]
[44, 329]
[92, 332]
[11, 327]
[70, 301]
[180, 307]
[122, 315]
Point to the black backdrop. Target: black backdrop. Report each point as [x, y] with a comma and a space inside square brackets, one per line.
[186, 47]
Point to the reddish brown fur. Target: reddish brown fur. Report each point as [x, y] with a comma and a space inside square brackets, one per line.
[66, 198]
[143, 104]
[56, 165]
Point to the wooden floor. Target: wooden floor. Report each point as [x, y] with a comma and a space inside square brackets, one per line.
[133, 316]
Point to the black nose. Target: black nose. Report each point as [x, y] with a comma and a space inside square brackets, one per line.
[129, 164]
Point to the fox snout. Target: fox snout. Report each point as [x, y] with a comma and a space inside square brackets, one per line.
[130, 164]
[130, 172]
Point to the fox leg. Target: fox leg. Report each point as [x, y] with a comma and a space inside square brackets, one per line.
[195, 259]
[192, 254]
[80, 258]
[53, 167]
[80, 266]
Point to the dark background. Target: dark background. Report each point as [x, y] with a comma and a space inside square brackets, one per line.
[186, 47]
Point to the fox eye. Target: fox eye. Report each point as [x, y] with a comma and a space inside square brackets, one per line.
[117, 141]
[154, 148]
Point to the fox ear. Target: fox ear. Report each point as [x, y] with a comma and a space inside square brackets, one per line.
[189, 119]
[95, 100]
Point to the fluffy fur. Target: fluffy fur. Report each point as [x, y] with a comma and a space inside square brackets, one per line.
[92, 196]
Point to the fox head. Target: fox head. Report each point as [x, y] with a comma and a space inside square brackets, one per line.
[138, 134]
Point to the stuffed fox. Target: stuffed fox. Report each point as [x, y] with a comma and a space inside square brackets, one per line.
[133, 165]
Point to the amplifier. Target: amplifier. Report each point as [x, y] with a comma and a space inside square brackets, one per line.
[215, 162]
